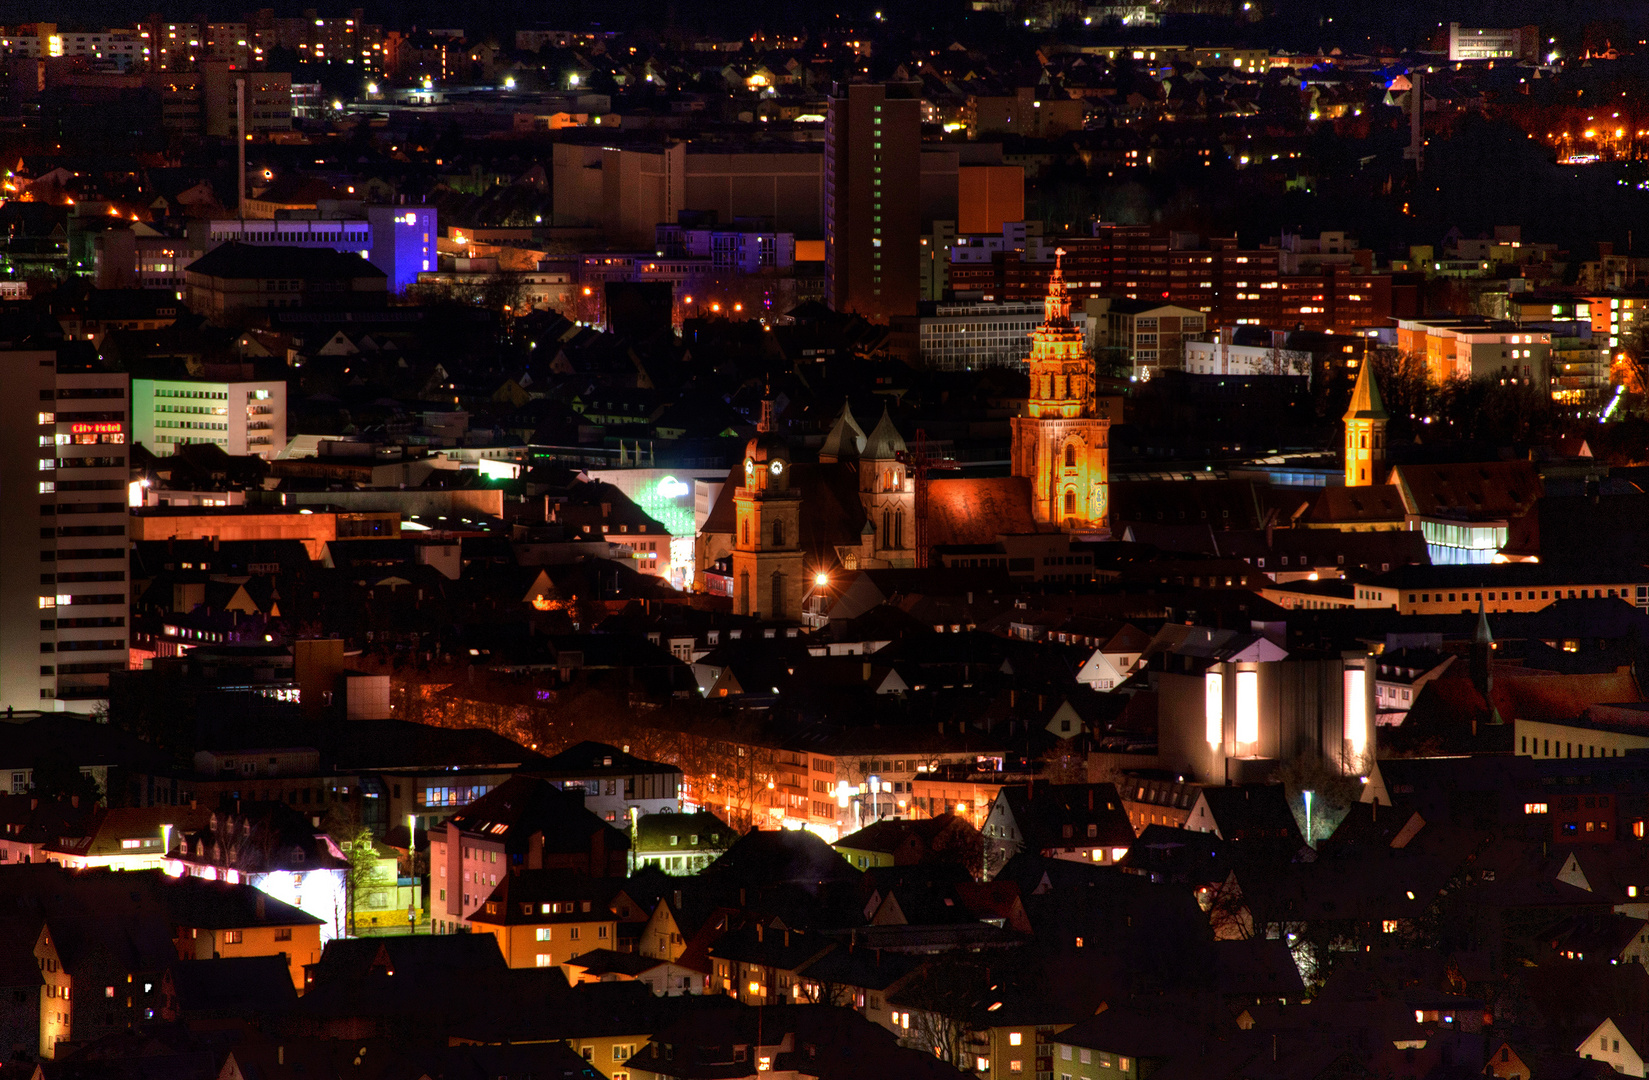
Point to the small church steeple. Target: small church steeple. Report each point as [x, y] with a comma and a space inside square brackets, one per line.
[1365, 421]
[765, 424]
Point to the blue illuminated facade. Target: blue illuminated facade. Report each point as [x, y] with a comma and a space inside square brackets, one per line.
[403, 242]
[399, 240]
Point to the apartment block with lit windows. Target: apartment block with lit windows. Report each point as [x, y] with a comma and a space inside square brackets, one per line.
[63, 586]
[1615, 317]
[1229, 284]
[1473, 348]
[240, 418]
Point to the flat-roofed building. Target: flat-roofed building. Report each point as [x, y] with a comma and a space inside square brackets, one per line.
[63, 479]
[240, 418]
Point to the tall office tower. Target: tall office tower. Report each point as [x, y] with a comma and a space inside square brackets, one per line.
[873, 173]
[63, 485]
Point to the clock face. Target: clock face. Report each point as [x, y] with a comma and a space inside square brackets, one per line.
[749, 465]
[777, 467]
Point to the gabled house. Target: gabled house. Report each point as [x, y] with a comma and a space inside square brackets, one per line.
[1246, 812]
[525, 823]
[905, 842]
[543, 918]
[1620, 1042]
[759, 964]
[1084, 822]
[681, 843]
[1114, 661]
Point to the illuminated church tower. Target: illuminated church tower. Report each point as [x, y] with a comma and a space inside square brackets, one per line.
[767, 553]
[1059, 444]
[1366, 432]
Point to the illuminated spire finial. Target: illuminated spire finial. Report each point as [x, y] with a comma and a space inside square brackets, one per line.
[1056, 309]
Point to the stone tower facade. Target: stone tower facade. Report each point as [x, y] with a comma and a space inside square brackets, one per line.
[1059, 444]
[1366, 432]
[767, 553]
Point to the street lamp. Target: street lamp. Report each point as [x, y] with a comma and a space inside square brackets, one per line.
[412, 872]
[1308, 793]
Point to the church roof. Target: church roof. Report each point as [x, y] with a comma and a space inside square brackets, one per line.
[1349, 505]
[885, 442]
[1479, 491]
[1365, 397]
[846, 439]
[977, 511]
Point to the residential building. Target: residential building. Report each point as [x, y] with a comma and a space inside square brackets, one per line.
[616, 786]
[543, 918]
[1472, 348]
[945, 837]
[275, 849]
[524, 823]
[1621, 1050]
[1615, 315]
[873, 161]
[1080, 822]
[63, 481]
[1149, 335]
[124, 838]
[240, 417]
[680, 843]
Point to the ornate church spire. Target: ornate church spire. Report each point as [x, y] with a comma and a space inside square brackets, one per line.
[1056, 307]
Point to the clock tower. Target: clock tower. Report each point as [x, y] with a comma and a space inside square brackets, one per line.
[1059, 444]
[767, 554]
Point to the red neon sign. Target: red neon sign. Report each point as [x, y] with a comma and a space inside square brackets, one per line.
[94, 429]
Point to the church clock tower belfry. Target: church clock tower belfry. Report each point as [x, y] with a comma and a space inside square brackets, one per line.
[1059, 444]
[767, 554]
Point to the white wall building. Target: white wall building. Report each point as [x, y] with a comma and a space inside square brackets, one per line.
[1245, 353]
[240, 418]
[964, 335]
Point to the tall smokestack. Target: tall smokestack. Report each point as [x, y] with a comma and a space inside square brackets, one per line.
[1417, 112]
[240, 148]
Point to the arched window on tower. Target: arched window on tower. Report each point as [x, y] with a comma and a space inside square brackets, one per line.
[899, 529]
[1070, 502]
[778, 534]
[1365, 443]
[744, 592]
[778, 611]
[1070, 455]
[744, 532]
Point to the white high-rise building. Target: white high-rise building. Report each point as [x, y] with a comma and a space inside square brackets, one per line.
[238, 417]
[64, 472]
